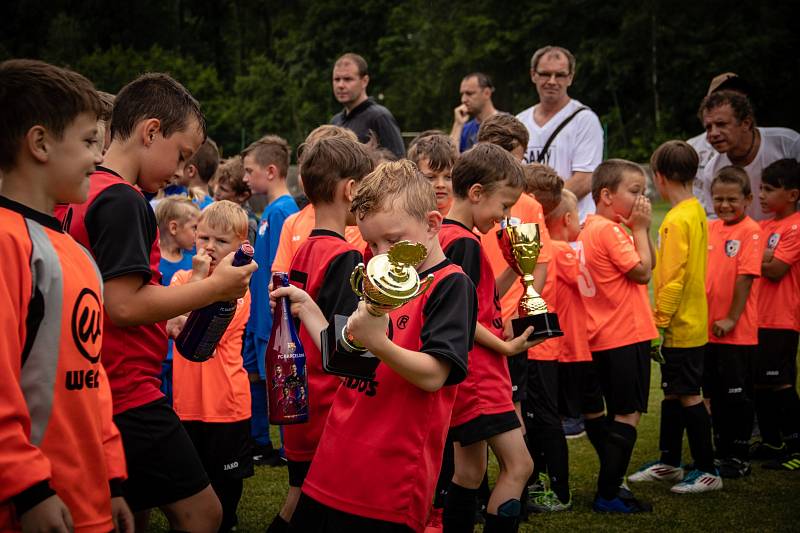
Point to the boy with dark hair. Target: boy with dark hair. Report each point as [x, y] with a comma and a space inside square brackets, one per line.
[735, 249]
[681, 315]
[619, 320]
[505, 131]
[487, 182]
[62, 463]
[199, 170]
[435, 156]
[156, 126]
[266, 165]
[419, 366]
[212, 398]
[331, 171]
[775, 370]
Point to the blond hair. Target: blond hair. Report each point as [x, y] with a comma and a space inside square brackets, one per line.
[177, 208]
[568, 202]
[226, 216]
[326, 131]
[398, 185]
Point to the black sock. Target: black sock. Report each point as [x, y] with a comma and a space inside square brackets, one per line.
[790, 417]
[597, 431]
[670, 439]
[737, 418]
[534, 443]
[484, 492]
[767, 417]
[278, 525]
[445, 474]
[459, 509]
[698, 431]
[617, 456]
[506, 520]
[229, 492]
[556, 455]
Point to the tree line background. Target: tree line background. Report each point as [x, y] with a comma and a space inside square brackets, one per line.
[264, 66]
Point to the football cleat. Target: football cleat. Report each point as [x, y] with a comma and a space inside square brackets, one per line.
[657, 471]
[697, 481]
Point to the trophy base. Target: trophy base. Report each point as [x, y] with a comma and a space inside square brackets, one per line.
[545, 326]
[338, 360]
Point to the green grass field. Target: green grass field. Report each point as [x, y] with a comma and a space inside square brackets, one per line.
[764, 501]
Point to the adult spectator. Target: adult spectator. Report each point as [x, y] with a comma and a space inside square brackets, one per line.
[730, 125]
[564, 134]
[476, 106]
[361, 113]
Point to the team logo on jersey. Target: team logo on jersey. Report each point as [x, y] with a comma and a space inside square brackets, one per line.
[402, 322]
[732, 248]
[772, 243]
[262, 229]
[86, 324]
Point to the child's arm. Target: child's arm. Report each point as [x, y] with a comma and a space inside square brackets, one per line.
[304, 308]
[771, 268]
[486, 338]
[639, 222]
[130, 301]
[674, 256]
[741, 291]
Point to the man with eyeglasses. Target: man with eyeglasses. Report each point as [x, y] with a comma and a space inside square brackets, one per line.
[564, 134]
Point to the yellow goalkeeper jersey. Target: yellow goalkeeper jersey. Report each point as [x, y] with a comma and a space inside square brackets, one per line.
[680, 275]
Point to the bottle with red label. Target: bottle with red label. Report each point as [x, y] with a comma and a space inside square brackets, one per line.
[285, 365]
[204, 327]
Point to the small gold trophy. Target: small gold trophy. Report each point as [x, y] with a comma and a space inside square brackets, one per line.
[521, 245]
[388, 282]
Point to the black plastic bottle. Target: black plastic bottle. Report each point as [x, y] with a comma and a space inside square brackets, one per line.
[205, 327]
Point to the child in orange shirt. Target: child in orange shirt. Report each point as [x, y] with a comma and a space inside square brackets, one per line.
[435, 156]
[620, 323]
[735, 249]
[778, 318]
[212, 398]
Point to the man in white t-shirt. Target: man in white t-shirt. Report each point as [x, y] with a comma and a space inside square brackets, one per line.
[578, 148]
[731, 130]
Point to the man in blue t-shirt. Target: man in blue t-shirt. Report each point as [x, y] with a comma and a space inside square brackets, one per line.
[266, 165]
[476, 106]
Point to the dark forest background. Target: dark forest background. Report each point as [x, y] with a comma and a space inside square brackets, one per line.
[261, 66]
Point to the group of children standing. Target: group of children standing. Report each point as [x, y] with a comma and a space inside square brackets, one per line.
[408, 447]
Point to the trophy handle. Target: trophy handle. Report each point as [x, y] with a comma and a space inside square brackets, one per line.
[356, 278]
[424, 284]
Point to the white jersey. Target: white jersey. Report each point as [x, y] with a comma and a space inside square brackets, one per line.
[704, 153]
[776, 143]
[577, 148]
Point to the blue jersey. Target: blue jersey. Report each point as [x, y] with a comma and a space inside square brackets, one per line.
[469, 135]
[266, 245]
[168, 269]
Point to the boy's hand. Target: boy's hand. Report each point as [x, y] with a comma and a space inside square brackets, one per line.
[461, 115]
[655, 348]
[641, 214]
[201, 264]
[49, 515]
[723, 326]
[175, 326]
[521, 343]
[768, 255]
[300, 303]
[122, 516]
[231, 281]
[369, 330]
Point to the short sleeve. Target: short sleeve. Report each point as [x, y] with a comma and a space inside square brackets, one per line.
[449, 328]
[275, 220]
[466, 253]
[749, 259]
[620, 248]
[335, 296]
[788, 249]
[122, 231]
[567, 268]
[588, 143]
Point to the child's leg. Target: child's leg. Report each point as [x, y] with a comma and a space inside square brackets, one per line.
[461, 499]
[229, 492]
[617, 454]
[516, 467]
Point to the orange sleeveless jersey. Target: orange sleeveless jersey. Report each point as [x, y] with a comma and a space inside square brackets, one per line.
[55, 402]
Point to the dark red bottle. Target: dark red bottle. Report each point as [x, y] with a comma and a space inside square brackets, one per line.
[205, 327]
[285, 364]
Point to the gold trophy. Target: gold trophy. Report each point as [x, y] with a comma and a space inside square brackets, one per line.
[521, 244]
[387, 283]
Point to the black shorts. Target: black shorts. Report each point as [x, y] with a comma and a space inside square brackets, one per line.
[311, 516]
[298, 470]
[163, 465]
[776, 360]
[518, 370]
[682, 371]
[225, 448]
[624, 375]
[579, 390]
[483, 427]
[727, 370]
[541, 404]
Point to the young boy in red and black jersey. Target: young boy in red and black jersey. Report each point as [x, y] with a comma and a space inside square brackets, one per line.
[775, 373]
[156, 125]
[331, 170]
[378, 459]
[61, 459]
[487, 181]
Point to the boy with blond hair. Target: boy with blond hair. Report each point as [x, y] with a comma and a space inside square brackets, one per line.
[156, 126]
[419, 367]
[620, 324]
[212, 398]
[229, 184]
[62, 463]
